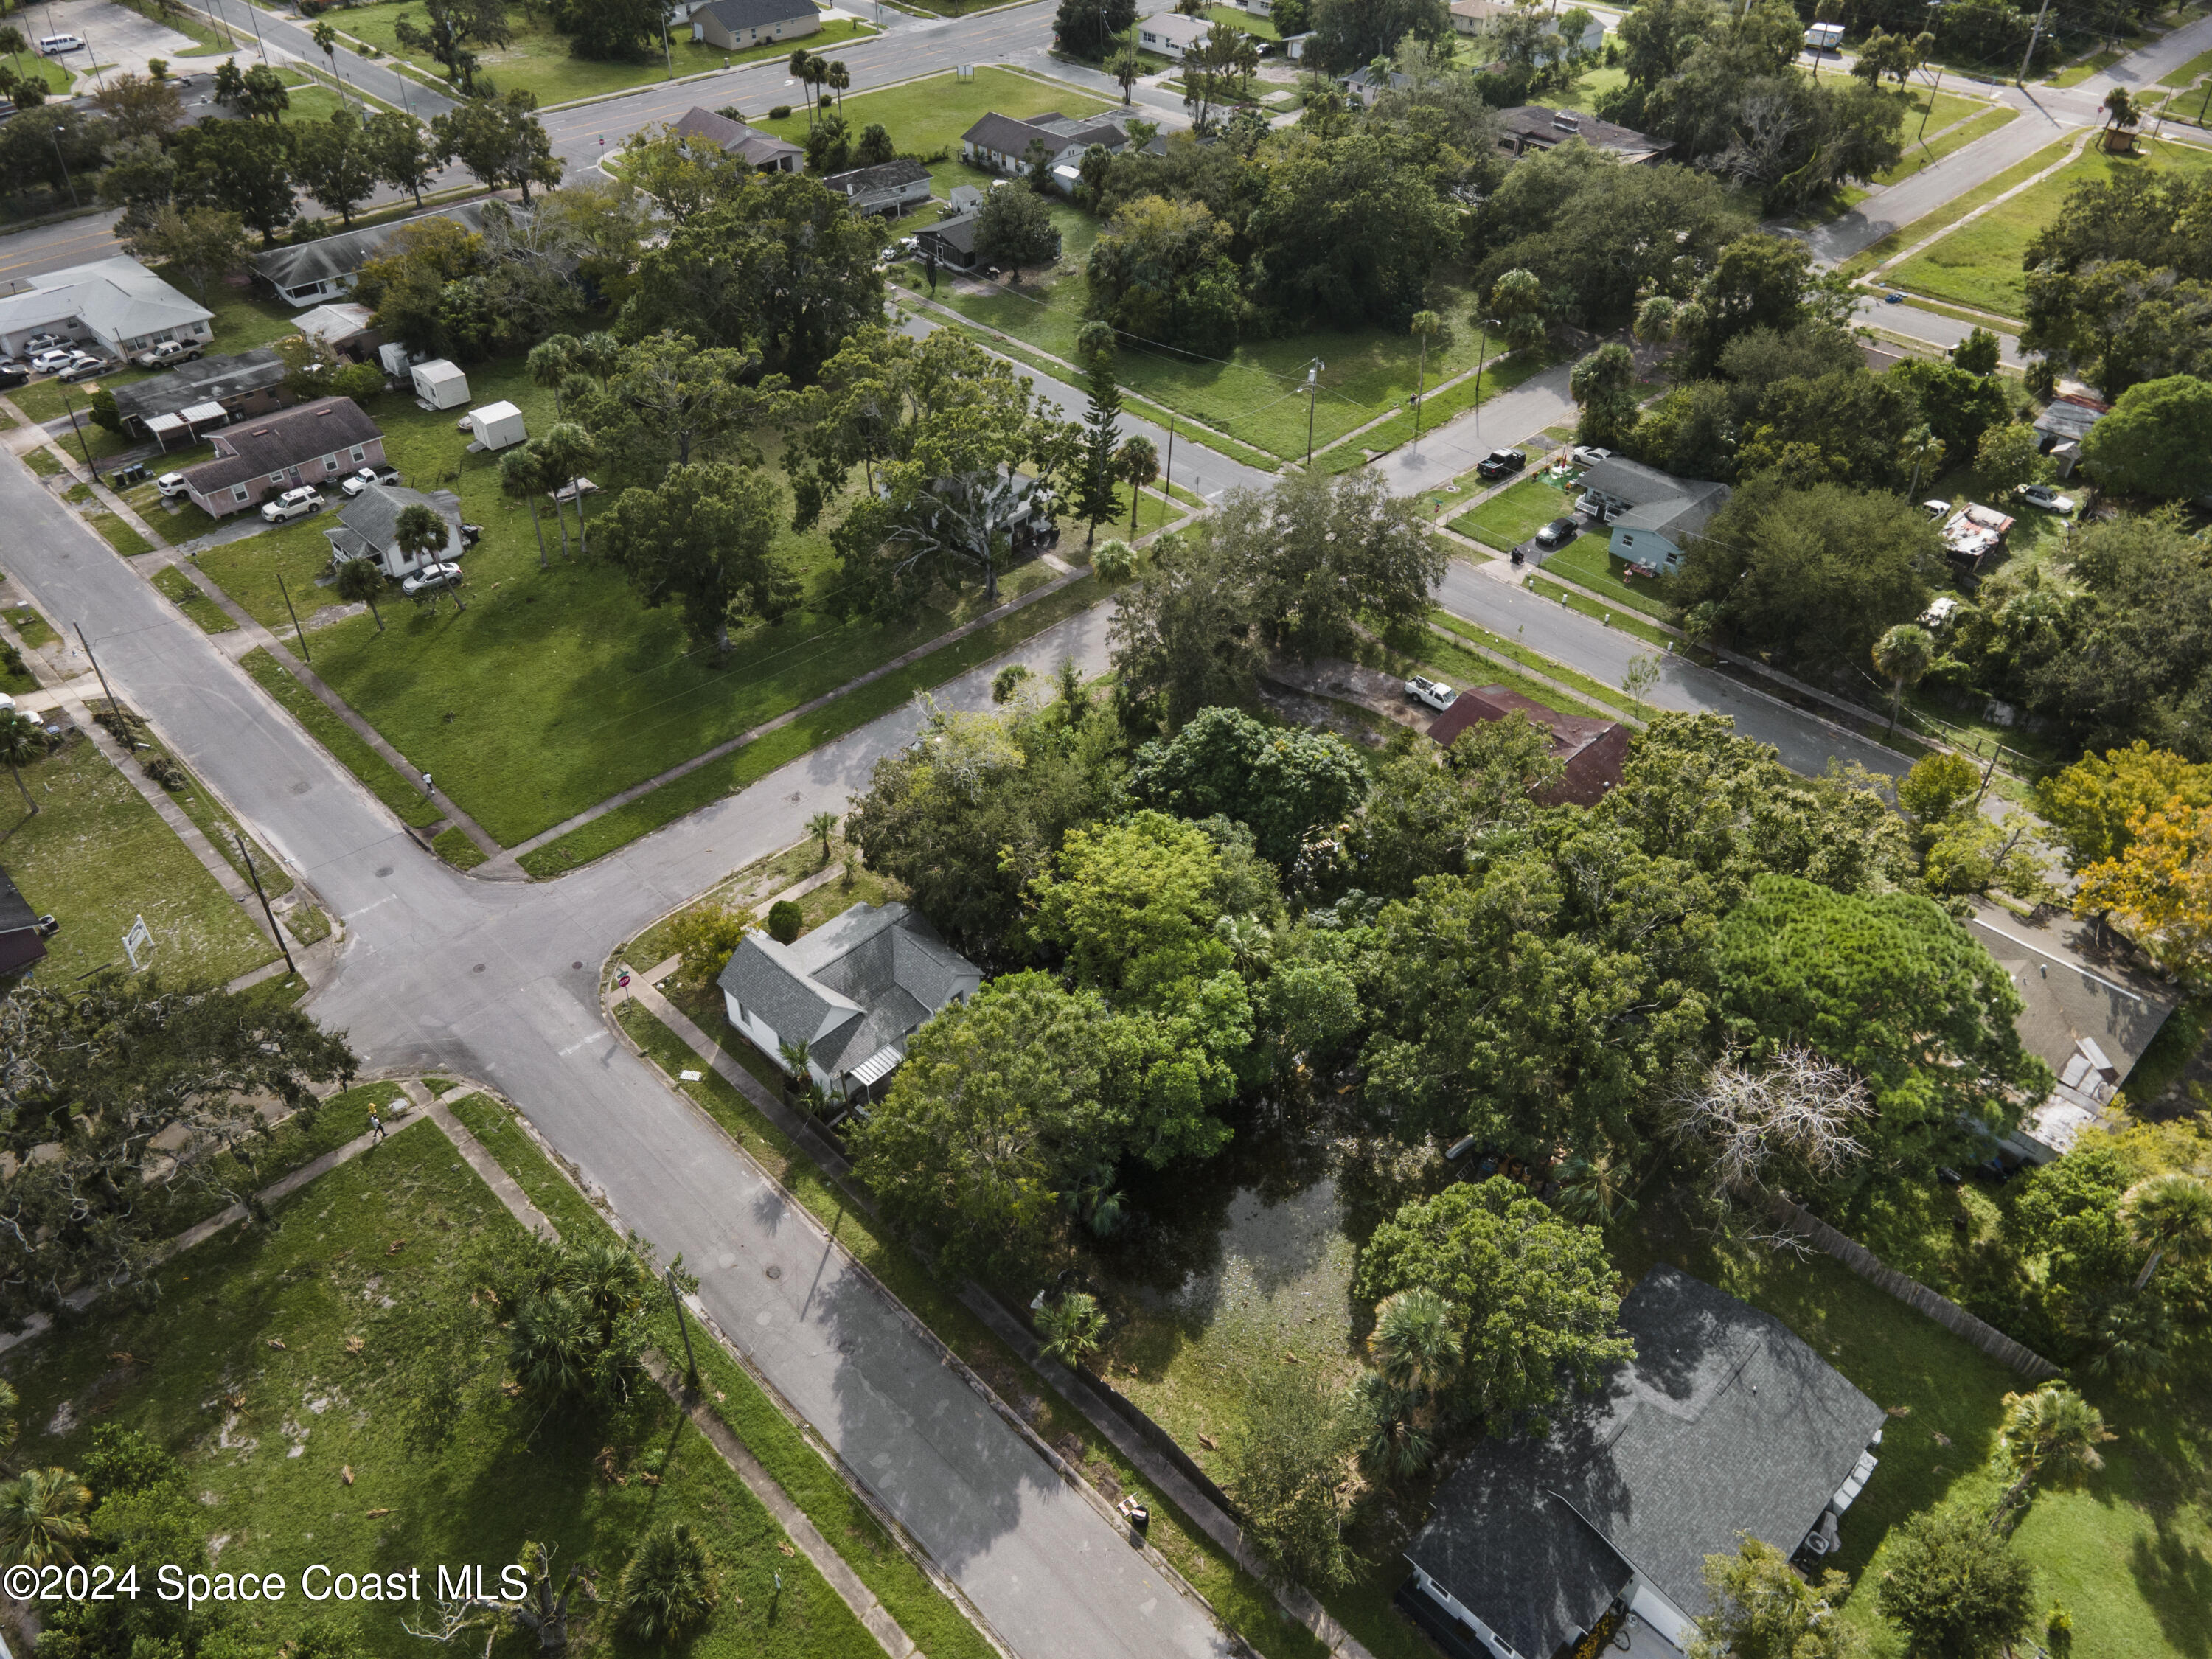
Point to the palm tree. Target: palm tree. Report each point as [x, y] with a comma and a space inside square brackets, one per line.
[2121, 115]
[1425, 325]
[800, 59]
[359, 581]
[22, 740]
[419, 534]
[1903, 655]
[817, 75]
[599, 353]
[521, 475]
[1926, 449]
[838, 78]
[42, 1518]
[1073, 1327]
[1590, 1191]
[1392, 1440]
[821, 826]
[1137, 463]
[568, 449]
[327, 39]
[2171, 1215]
[2053, 1432]
[551, 362]
[1416, 1340]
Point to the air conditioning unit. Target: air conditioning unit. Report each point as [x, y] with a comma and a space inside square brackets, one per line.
[1566, 123]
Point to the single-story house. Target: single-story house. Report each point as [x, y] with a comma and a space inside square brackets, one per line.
[206, 392]
[1000, 143]
[1468, 17]
[2066, 421]
[327, 268]
[1171, 33]
[313, 443]
[853, 991]
[952, 240]
[1724, 1424]
[891, 187]
[22, 936]
[734, 25]
[2087, 1012]
[1531, 127]
[347, 329]
[1294, 46]
[1257, 7]
[1593, 751]
[764, 151]
[368, 525]
[1654, 515]
[117, 305]
[1364, 83]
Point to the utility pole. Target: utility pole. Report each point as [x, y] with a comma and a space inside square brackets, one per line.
[2033, 35]
[690, 1359]
[298, 632]
[1481, 352]
[105, 689]
[1313, 396]
[69, 404]
[63, 160]
[254, 876]
[1935, 88]
[1167, 472]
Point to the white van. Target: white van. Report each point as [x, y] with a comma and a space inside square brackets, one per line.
[54, 46]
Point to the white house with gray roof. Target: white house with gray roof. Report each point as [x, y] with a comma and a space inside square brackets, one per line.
[1000, 143]
[369, 528]
[1654, 514]
[117, 305]
[853, 991]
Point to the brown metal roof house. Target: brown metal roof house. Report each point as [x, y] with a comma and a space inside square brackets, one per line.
[1532, 127]
[315, 443]
[1593, 751]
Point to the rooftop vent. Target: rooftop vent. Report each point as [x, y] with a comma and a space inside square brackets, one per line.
[1566, 123]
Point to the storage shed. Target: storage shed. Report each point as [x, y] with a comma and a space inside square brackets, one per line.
[496, 426]
[440, 384]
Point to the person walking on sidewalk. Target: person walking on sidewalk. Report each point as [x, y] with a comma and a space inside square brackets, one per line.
[375, 1128]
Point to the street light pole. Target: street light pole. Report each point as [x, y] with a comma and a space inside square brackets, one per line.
[63, 160]
[1481, 351]
[69, 404]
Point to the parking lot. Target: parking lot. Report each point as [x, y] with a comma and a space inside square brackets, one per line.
[116, 40]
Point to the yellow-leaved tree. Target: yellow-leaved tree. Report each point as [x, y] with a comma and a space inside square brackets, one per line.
[2159, 887]
[2090, 804]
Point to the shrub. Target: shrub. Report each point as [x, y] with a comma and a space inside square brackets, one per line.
[164, 771]
[1955, 1588]
[668, 1586]
[780, 113]
[784, 921]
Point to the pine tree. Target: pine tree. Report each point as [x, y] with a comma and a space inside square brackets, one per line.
[1094, 488]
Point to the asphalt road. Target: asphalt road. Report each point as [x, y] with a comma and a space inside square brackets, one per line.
[443, 972]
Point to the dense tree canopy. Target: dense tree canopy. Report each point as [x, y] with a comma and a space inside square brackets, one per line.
[1282, 784]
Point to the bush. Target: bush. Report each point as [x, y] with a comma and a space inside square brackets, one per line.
[668, 1587]
[164, 771]
[1955, 1588]
[358, 381]
[780, 113]
[784, 921]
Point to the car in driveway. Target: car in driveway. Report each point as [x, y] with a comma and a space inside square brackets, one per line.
[358, 480]
[1937, 510]
[1435, 693]
[171, 485]
[53, 361]
[13, 375]
[431, 578]
[292, 504]
[1500, 463]
[2044, 496]
[1558, 533]
[1588, 455]
[169, 351]
[82, 368]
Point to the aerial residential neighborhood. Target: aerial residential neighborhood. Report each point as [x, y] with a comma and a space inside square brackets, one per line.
[1318, 828]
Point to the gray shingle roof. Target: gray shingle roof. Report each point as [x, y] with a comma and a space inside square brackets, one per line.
[276, 441]
[369, 523]
[1010, 136]
[733, 138]
[210, 379]
[1658, 502]
[885, 175]
[755, 13]
[333, 257]
[872, 974]
[1725, 1423]
[1537, 123]
[956, 230]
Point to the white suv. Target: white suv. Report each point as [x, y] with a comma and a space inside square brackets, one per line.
[292, 504]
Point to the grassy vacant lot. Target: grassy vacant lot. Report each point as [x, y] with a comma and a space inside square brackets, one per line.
[1938, 145]
[96, 856]
[538, 58]
[931, 114]
[1511, 516]
[305, 1335]
[554, 689]
[1978, 265]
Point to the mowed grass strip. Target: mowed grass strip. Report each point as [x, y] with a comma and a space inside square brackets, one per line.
[935, 1623]
[1919, 156]
[1922, 228]
[210, 616]
[694, 789]
[280, 1364]
[345, 744]
[97, 857]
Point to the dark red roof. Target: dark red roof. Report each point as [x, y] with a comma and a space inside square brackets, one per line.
[1593, 751]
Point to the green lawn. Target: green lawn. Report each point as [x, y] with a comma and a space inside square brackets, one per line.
[30, 627]
[307, 1339]
[538, 58]
[1939, 145]
[1592, 85]
[1587, 561]
[1979, 264]
[97, 856]
[119, 535]
[1511, 516]
[43, 461]
[2073, 74]
[1251, 23]
[1922, 228]
[931, 114]
[345, 744]
[188, 598]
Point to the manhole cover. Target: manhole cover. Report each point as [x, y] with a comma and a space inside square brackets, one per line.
[775, 1273]
[478, 969]
[575, 965]
[385, 870]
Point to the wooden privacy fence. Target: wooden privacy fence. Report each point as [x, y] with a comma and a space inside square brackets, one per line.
[1911, 1291]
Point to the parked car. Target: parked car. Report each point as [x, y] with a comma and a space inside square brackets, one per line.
[1588, 455]
[55, 45]
[1937, 510]
[1435, 693]
[2044, 496]
[292, 504]
[1558, 533]
[358, 481]
[82, 368]
[1500, 463]
[171, 484]
[53, 361]
[12, 375]
[430, 578]
[169, 351]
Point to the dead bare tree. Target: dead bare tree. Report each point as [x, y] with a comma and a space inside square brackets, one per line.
[541, 1609]
[1794, 1111]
